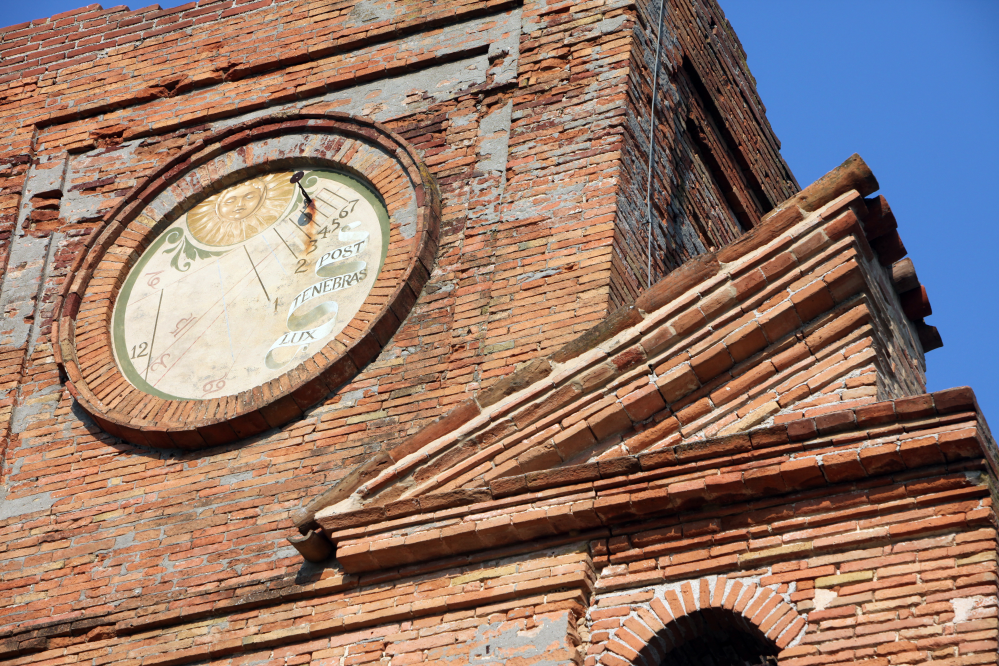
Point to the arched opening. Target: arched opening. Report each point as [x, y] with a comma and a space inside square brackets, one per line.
[715, 637]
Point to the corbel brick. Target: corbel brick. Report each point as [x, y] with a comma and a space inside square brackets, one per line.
[654, 500]
[880, 220]
[749, 284]
[915, 303]
[875, 414]
[950, 401]
[813, 300]
[922, 452]
[562, 476]
[575, 440]
[497, 531]
[677, 383]
[724, 487]
[845, 281]
[801, 430]
[422, 545]
[780, 321]
[903, 276]
[889, 248]
[719, 301]
[508, 486]
[712, 362]
[609, 421]
[643, 403]
[929, 337]
[881, 459]
[585, 515]
[686, 323]
[657, 459]
[694, 411]
[960, 444]
[844, 225]
[746, 341]
[840, 467]
[687, 494]
[764, 480]
[778, 266]
[532, 524]
[612, 507]
[835, 422]
[618, 466]
[769, 437]
[355, 557]
[915, 407]
[804, 473]
[542, 456]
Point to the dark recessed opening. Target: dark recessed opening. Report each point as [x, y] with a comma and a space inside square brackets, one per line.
[717, 637]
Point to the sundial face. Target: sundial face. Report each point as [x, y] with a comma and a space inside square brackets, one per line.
[249, 283]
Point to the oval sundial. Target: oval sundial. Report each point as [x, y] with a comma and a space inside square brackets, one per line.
[249, 281]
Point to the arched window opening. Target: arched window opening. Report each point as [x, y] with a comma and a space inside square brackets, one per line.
[716, 637]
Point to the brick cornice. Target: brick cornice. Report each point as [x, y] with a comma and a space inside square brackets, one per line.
[733, 476]
[952, 409]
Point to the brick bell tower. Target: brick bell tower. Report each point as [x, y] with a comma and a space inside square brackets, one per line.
[394, 331]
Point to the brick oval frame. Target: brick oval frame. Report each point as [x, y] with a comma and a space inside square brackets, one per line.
[281, 141]
[647, 629]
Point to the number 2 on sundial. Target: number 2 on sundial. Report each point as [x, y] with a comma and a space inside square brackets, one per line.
[249, 282]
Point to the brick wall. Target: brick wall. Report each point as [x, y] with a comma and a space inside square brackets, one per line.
[716, 168]
[531, 118]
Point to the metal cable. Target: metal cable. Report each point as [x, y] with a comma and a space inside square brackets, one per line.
[652, 144]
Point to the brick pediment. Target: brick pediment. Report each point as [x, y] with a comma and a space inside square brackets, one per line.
[796, 323]
[693, 489]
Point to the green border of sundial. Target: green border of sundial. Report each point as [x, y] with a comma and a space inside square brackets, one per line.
[118, 318]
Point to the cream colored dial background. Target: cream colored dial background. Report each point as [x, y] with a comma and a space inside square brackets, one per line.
[248, 284]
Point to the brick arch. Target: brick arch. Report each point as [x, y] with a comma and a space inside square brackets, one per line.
[671, 616]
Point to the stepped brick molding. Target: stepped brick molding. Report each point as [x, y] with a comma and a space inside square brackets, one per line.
[763, 333]
[633, 490]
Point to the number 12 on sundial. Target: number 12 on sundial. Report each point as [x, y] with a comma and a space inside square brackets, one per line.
[251, 281]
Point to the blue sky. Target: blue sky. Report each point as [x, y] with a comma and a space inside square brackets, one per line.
[911, 85]
[16, 11]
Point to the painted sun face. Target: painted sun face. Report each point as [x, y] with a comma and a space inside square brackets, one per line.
[241, 211]
[240, 202]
